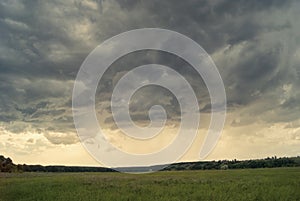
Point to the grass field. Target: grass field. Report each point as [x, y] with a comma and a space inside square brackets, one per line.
[245, 184]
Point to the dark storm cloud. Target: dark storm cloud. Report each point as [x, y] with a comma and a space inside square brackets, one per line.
[212, 23]
[42, 45]
[146, 97]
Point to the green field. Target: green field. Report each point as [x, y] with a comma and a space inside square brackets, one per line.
[244, 184]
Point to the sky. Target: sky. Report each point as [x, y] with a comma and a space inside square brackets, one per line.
[254, 44]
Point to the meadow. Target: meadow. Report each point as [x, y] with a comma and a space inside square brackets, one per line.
[242, 184]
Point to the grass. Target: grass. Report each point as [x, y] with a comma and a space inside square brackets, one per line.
[245, 184]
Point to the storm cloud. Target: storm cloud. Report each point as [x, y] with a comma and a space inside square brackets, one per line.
[255, 45]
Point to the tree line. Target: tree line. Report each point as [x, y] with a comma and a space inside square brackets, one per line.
[7, 165]
[270, 162]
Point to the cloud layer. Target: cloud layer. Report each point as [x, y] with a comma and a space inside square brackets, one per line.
[255, 45]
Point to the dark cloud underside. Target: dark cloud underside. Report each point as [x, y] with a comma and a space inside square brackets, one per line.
[255, 45]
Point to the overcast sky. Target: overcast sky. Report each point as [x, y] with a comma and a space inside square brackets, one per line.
[254, 44]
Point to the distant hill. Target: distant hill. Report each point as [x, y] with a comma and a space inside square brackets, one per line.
[7, 165]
